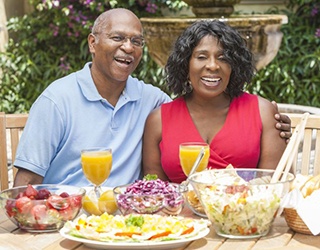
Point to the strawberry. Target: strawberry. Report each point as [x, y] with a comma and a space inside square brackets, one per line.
[43, 194]
[75, 201]
[64, 195]
[30, 192]
[11, 208]
[57, 202]
[23, 204]
[39, 212]
[66, 214]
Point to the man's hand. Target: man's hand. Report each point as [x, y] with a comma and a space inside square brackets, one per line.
[283, 124]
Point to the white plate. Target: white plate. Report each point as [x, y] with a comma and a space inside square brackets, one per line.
[166, 245]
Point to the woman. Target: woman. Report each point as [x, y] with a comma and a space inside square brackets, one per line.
[208, 69]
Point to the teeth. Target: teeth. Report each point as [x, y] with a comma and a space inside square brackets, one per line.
[123, 60]
[211, 79]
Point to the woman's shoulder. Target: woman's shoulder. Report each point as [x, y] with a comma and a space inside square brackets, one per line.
[175, 102]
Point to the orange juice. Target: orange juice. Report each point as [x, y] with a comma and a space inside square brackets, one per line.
[188, 154]
[96, 165]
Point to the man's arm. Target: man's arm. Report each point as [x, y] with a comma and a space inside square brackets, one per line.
[283, 124]
[24, 177]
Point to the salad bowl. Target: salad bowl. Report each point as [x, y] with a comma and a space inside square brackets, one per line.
[41, 208]
[149, 197]
[240, 203]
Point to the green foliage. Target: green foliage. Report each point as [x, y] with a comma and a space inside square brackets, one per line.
[294, 75]
[51, 42]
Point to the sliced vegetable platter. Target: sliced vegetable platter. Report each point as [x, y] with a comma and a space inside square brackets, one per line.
[141, 231]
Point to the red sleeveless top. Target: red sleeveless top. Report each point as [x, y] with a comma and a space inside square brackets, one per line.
[237, 143]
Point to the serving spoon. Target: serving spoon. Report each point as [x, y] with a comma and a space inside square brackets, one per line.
[184, 185]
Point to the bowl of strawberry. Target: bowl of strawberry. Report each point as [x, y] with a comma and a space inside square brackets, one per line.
[41, 208]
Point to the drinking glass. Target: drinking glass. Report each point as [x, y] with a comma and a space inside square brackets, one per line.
[96, 166]
[188, 153]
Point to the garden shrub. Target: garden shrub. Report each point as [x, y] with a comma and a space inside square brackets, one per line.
[51, 42]
[294, 75]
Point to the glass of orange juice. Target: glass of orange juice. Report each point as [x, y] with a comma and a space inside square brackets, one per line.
[188, 153]
[96, 166]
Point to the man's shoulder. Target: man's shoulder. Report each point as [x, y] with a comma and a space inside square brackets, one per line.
[70, 80]
[146, 88]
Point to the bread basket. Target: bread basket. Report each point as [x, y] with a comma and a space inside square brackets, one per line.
[295, 222]
[306, 184]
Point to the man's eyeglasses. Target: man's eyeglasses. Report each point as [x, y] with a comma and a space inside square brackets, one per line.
[136, 41]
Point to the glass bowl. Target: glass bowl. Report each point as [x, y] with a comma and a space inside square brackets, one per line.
[41, 208]
[240, 203]
[193, 203]
[145, 197]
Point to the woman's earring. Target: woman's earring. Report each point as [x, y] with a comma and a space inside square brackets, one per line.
[188, 86]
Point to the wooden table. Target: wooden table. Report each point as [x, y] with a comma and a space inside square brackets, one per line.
[279, 238]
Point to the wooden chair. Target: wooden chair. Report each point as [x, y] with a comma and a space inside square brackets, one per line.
[10, 125]
[307, 161]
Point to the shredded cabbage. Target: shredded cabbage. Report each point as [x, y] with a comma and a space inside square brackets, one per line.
[244, 210]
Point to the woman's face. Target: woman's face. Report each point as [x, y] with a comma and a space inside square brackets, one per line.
[208, 72]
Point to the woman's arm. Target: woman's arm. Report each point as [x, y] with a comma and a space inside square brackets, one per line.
[272, 145]
[151, 156]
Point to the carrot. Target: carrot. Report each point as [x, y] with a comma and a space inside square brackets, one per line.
[241, 230]
[128, 234]
[166, 233]
[188, 231]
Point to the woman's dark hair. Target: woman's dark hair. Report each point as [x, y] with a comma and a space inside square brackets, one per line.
[236, 54]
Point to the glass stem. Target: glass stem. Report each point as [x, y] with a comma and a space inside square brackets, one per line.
[98, 191]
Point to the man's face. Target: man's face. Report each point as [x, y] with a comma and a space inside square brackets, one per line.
[115, 49]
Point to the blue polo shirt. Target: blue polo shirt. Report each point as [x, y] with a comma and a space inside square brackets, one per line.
[70, 115]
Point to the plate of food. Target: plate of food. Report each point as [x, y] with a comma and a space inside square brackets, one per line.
[135, 231]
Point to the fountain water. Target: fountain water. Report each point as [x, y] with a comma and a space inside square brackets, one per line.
[262, 32]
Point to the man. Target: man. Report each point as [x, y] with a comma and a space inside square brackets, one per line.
[100, 105]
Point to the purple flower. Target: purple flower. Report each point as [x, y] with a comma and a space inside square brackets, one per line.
[151, 8]
[314, 11]
[64, 67]
[317, 34]
[55, 29]
[87, 2]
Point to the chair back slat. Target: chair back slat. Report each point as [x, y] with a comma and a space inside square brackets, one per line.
[3, 153]
[11, 127]
[317, 154]
[307, 161]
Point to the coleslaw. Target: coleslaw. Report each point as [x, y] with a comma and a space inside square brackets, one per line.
[237, 208]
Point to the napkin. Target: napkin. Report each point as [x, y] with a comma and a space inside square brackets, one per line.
[307, 208]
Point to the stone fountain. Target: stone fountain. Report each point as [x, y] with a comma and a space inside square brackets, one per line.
[262, 32]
